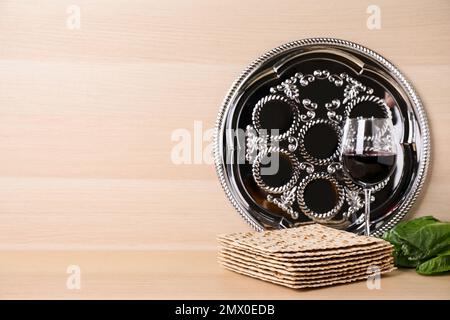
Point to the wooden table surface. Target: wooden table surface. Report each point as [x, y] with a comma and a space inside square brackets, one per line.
[87, 118]
[179, 275]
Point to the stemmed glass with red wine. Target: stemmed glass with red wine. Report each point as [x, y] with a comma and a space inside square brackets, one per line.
[369, 153]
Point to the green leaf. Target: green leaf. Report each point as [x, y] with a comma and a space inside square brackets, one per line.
[419, 240]
[400, 258]
[430, 240]
[403, 261]
[436, 265]
[406, 228]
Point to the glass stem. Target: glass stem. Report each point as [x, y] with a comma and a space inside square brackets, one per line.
[367, 194]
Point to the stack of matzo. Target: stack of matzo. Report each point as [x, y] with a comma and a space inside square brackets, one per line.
[307, 256]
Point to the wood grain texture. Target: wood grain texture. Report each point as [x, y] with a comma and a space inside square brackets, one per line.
[179, 275]
[86, 118]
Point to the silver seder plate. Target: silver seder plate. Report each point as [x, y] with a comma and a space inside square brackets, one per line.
[287, 110]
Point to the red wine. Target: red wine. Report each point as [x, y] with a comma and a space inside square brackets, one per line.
[368, 169]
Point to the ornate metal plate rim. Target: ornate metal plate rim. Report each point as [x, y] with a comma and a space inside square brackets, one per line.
[406, 85]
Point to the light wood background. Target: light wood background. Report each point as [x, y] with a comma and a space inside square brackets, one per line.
[86, 118]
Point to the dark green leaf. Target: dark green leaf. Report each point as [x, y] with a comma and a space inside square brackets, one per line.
[419, 240]
[406, 229]
[400, 258]
[430, 240]
[439, 264]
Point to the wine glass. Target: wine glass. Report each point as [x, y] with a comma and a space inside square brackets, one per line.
[369, 154]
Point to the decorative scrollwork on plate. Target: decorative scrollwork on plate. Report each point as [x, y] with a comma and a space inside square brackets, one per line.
[354, 200]
[367, 98]
[334, 167]
[256, 170]
[306, 154]
[354, 88]
[326, 75]
[254, 143]
[308, 167]
[290, 89]
[310, 110]
[332, 107]
[285, 201]
[301, 197]
[293, 144]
